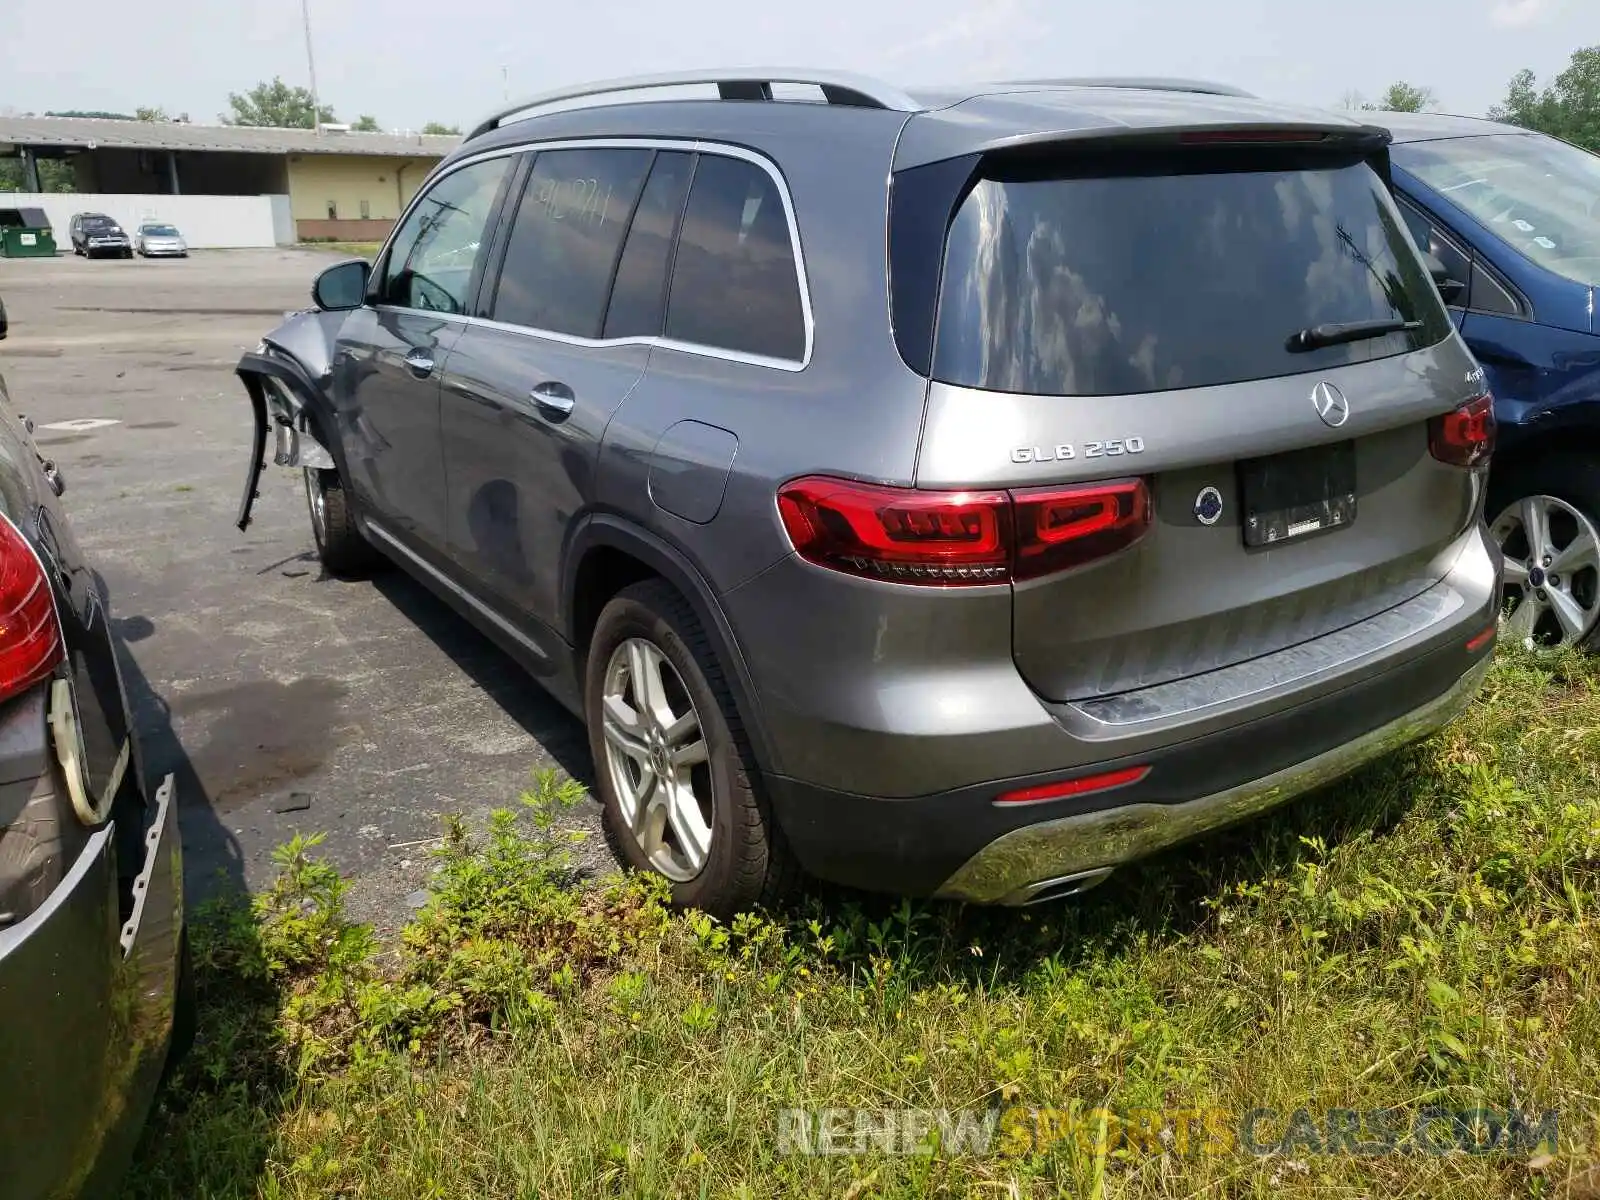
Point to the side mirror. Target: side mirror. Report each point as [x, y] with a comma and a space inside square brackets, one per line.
[1451, 290]
[343, 286]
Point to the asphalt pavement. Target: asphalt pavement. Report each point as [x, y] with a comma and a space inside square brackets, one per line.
[284, 700]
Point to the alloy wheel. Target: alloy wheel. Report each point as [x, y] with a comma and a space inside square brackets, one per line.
[1550, 587]
[657, 759]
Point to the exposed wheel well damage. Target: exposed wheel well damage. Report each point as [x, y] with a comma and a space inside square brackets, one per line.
[288, 411]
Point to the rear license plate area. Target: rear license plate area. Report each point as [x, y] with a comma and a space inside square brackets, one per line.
[1295, 495]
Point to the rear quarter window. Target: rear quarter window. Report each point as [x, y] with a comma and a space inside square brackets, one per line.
[1149, 278]
[735, 285]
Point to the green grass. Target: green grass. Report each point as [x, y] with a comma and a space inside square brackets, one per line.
[367, 250]
[1424, 934]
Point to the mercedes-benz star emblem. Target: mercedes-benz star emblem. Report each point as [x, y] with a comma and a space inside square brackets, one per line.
[1208, 506]
[1330, 404]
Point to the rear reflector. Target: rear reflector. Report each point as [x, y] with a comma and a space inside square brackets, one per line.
[959, 538]
[30, 639]
[1464, 438]
[1073, 787]
[1481, 640]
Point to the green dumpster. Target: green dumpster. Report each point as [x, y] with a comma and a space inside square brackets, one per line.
[26, 233]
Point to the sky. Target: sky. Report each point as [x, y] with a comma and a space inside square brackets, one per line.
[408, 62]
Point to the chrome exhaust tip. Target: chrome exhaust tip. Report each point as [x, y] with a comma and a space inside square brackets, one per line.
[1062, 887]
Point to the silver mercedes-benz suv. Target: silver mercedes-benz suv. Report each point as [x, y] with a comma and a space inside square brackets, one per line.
[955, 492]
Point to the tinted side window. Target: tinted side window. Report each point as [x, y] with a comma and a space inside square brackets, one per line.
[1428, 238]
[639, 297]
[1490, 296]
[431, 260]
[734, 282]
[568, 233]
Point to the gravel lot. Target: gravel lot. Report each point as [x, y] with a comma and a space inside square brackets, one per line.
[284, 701]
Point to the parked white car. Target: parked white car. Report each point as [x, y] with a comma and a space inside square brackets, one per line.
[158, 239]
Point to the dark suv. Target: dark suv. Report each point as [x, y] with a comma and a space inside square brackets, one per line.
[95, 234]
[959, 492]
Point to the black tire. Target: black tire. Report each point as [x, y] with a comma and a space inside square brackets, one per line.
[1572, 478]
[748, 862]
[40, 843]
[341, 548]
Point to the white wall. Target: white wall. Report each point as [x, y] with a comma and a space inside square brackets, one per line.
[205, 221]
[283, 220]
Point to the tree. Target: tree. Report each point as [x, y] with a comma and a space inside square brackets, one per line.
[366, 124]
[275, 104]
[94, 113]
[1569, 108]
[55, 175]
[1404, 97]
[152, 114]
[435, 127]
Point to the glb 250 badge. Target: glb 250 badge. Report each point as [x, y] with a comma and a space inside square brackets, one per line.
[1067, 451]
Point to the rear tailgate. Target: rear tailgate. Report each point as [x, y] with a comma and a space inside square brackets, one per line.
[1128, 314]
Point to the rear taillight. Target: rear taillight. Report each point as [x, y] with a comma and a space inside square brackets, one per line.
[956, 538]
[1065, 527]
[30, 639]
[1464, 438]
[897, 533]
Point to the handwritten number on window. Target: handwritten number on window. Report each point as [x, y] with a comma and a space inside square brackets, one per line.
[577, 199]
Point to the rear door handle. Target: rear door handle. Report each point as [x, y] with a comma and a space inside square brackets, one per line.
[555, 399]
[420, 363]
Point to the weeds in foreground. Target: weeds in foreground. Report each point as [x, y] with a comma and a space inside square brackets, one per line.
[1364, 994]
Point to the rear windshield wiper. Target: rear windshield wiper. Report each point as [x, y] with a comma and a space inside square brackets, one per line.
[1318, 336]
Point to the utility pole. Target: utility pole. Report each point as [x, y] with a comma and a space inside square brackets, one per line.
[505, 82]
[311, 62]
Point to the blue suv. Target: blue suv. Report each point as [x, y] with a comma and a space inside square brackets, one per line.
[1514, 219]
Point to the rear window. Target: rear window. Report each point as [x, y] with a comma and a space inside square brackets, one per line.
[1112, 283]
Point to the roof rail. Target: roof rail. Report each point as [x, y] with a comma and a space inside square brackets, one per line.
[838, 87]
[1151, 83]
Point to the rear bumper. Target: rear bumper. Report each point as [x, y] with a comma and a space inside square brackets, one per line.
[1019, 866]
[1217, 748]
[962, 845]
[86, 1012]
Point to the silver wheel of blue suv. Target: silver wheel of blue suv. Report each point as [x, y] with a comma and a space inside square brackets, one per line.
[1137, 489]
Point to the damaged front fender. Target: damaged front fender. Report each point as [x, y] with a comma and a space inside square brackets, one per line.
[289, 405]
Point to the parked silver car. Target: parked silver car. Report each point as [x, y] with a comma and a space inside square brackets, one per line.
[158, 239]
